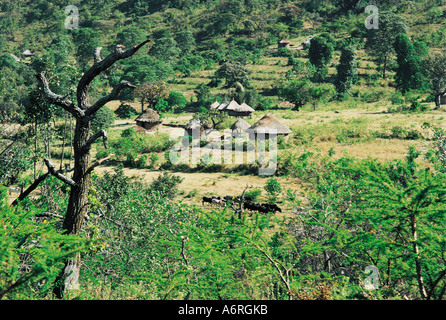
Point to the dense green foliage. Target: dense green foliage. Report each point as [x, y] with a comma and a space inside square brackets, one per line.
[140, 241]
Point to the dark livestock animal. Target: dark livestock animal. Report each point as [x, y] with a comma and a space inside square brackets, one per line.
[219, 202]
[206, 199]
[272, 207]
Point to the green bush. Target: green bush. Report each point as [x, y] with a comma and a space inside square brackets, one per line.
[255, 194]
[103, 119]
[125, 111]
[166, 184]
[273, 188]
[177, 100]
[32, 250]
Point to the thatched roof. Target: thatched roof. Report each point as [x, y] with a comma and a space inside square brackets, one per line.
[307, 41]
[284, 40]
[233, 105]
[269, 123]
[150, 116]
[193, 123]
[222, 106]
[240, 125]
[27, 53]
[244, 108]
[215, 105]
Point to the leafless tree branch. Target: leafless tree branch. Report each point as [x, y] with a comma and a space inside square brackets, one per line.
[99, 66]
[111, 96]
[58, 174]
[93, 138]
[57, 99]
[98, 163]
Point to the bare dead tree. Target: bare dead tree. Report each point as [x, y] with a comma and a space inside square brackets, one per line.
[83, 112]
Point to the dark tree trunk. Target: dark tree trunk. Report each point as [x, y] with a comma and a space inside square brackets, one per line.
[80, 182]
[437, 101]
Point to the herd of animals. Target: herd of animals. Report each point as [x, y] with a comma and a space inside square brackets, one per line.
[247, 203]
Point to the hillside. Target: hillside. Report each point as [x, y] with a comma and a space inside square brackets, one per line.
[359, 182]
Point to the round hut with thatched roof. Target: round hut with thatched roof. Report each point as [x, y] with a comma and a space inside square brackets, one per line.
[269, 125]
[149, 120]
[239, 126]
[196, 128]
[215, 105]
[223, 105]
[239, 110]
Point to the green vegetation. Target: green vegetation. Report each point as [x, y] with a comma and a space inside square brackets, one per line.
[361, 180]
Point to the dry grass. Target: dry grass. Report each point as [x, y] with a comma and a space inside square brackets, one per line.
[325, 124]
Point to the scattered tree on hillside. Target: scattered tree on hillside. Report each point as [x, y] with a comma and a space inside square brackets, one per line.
[320, 54]
[346, 71]
[381, 41]
[165, 49]
[151, 93]
[234, 71]
[130, 35]
[302, 91]
[408, 74]
[435, 66]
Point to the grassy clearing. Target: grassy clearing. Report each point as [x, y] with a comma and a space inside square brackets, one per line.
[356, 129]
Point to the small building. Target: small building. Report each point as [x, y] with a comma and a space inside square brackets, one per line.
[223, 105]
[239, 126]
[443, 98]
[239, 110]
[215, 105]
[283, 43]
[27, 53]
[307, 42]
[194, 128]
[269, 125]
[149, 120]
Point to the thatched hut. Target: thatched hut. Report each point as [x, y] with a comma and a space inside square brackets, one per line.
[283, 43]
[239, 110]
[240, 126]
[269, 125]
[194, 128]
[215, 105]
[149, 120]
[27, 53]
[307, 42]
[223, 105]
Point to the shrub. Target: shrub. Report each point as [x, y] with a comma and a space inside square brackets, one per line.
[32, 251]
[273, 188]
[255, 194]
[103, 119]
[166, 184]
[125, 111]
[177, 99]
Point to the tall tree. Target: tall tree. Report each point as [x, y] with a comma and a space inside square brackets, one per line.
[435, 66]
[151, 93]
[234, 71]
[346, 71]
[320, 54]
[83, 112]
[408, 74]
[381, 41]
